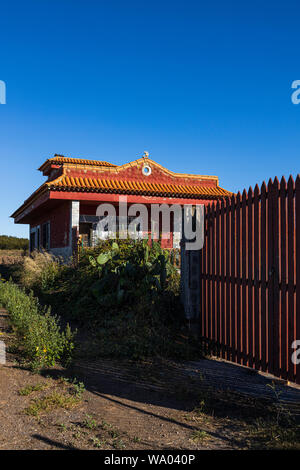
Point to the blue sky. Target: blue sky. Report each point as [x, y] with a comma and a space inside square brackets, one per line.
[205, 87]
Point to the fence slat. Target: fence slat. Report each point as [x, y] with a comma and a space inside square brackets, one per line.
[213, 282]
[276, 311]
[218, 273]
[204, 278]
[257, 325]
[270, 273]
[202, 284]
[283, 278]
[223, 328]
[297, 235]
[233, 309]
[208, 282]
[250, 276]
[227, 303]
[239, 338]
[244, 279]
[263, 290]
[291, 274]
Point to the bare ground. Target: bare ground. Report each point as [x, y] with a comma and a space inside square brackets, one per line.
[112, 414]
[158, 405]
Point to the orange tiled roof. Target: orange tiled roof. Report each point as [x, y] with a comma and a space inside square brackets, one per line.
[60, 159]
[69, 183]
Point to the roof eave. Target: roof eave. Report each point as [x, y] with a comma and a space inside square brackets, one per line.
[141, 193]
[31, 200]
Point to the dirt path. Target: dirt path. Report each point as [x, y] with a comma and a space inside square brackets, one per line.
[123, 416]
[115, 411]
[125, 405]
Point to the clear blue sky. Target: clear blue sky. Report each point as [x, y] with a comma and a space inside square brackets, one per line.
[205, 87]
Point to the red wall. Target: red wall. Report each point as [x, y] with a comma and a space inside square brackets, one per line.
[134, 173]
[59, 218]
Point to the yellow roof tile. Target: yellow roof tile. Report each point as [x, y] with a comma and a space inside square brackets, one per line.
[60, 160]
[65, 182]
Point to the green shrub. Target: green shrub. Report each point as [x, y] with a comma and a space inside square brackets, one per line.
[128, 272]
[40, 337]
[124, 294]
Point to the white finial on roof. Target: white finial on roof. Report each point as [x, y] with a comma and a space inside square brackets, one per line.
[146, 154]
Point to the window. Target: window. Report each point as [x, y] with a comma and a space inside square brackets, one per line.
[146, 170]
[38, 238]
[35, 238]
[32, 241]
[46, 236]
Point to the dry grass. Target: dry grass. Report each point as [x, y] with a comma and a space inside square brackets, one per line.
[29, 389]
[36, 266]
[51, 402]
[9, 257]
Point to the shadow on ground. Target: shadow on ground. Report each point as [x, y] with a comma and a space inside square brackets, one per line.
[224, 388]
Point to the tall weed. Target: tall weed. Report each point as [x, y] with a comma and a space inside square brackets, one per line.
[40, 269]
[39, 335]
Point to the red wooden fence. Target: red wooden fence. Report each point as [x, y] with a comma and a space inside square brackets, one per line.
[250, 278]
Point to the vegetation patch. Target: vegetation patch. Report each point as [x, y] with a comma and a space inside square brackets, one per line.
[123, 294]
[40, 271]
[89, 423]
[199, 436]
[271, 435]
[8, 242]
[75, 386]
[51, 402]
[39, 335]
[29, 389]
[255, 423]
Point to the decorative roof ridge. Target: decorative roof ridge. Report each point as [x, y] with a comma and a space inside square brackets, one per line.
[76, 161]
[69, 161]
[148, 160]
